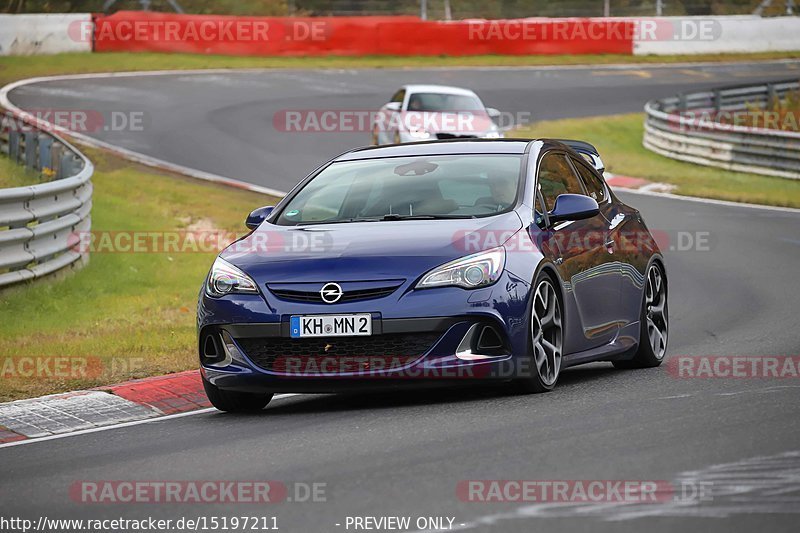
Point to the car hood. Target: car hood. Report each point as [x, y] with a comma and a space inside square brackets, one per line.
[364, 250]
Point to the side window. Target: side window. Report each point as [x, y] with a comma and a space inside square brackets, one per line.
[557, 177]
[594, 185]
[538, 215]
[399, 96]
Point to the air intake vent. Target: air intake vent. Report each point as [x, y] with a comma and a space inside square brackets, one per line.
[210, 347]
[489, 340]
[348, 295]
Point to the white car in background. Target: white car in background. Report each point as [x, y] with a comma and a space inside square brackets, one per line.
[430, 112]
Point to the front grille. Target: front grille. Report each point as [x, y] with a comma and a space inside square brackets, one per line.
[347, 296]
[336, 355]
[454, 136]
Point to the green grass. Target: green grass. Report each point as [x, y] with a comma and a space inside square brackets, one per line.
[122, 310]
[619, 141]
[14, 175]
[18, 67]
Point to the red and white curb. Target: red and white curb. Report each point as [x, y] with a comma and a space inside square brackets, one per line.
[636, 184]
[77, 411]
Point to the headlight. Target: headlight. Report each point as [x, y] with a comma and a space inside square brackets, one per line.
[494, 135]
[471, 272]
[419, 133]
[225, 278]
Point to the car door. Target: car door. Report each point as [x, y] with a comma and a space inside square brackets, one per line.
[592, 280]
[627, 254]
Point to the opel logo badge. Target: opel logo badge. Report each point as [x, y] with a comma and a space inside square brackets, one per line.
[331, 293]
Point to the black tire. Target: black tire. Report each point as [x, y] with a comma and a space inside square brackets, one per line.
[646, 356]
[235, 402]
[534, 381]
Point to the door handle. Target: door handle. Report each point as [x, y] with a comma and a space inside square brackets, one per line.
[616, 221]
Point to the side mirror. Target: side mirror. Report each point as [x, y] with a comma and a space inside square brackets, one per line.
[258, 216]
[573, 207]
[393, 106]
[492, 112]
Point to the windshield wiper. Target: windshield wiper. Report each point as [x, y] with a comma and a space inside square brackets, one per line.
[385, 218]
[394, 216]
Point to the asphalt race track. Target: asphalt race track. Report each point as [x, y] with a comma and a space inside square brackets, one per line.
[223, 123]
[404, 453]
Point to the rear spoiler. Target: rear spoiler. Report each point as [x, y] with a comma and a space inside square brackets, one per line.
[588, 151]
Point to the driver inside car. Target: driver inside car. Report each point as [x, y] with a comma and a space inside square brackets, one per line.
[504, 191]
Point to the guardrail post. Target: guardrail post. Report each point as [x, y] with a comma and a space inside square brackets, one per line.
[55, 159]
[67, 162]
[772, 96]
[31, 140]
[717, 100]
[13, 145]
[45, 143]
[681, 102]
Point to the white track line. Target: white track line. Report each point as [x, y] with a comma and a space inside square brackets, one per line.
[121, 425]
[711, 201]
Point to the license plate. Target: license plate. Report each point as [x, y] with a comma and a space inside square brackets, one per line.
[330, 326]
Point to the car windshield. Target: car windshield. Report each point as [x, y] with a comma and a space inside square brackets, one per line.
[443, 102]
[398, 188]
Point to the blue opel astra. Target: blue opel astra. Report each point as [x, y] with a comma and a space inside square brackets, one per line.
[433, 263]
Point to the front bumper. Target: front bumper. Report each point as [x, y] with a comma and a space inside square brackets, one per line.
[431, 337]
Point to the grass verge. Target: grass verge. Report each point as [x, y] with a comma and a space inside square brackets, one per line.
[19, 67]
[13, 175]
[618, 138]
[125, 315]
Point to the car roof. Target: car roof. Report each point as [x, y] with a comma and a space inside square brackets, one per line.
[470, 146]
[441, 89]
[454, 146]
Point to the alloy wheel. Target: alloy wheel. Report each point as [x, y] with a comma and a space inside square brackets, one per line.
[654, 304]
[546, 332]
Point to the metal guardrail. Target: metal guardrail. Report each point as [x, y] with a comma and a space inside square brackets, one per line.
[686, 127]
[39, 223]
